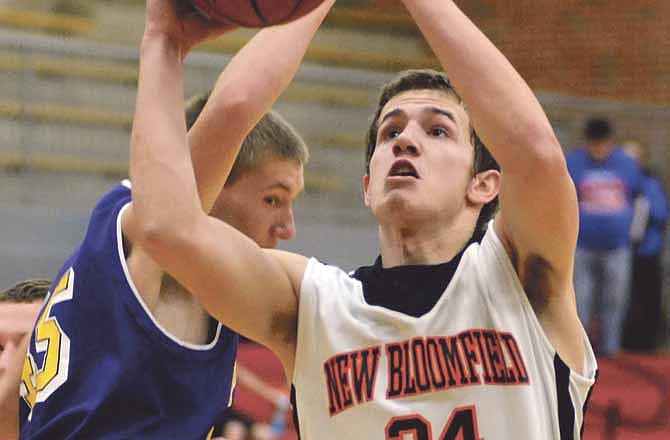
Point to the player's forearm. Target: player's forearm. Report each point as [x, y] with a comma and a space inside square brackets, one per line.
[506, 113]
[164, 191]
[262, 70]
[268, 63]
[244, 92]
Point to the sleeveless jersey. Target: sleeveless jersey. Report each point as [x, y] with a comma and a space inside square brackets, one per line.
[100, 366]
[477, 366]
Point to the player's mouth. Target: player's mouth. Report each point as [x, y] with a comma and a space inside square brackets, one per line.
[403, 169]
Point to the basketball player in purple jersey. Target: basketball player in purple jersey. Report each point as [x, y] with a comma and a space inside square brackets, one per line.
[128, 357]
[494, 348]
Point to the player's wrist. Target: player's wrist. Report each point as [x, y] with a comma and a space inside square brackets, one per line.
[157, 41]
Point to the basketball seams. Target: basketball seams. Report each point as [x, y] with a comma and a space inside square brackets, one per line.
[293, 11]
[254, 13]
[208, 9]
[258, 12]
[225, 17]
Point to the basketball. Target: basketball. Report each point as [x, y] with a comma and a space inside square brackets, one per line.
[255, 13]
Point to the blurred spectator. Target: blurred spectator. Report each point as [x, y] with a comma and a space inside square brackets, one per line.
[643, 324]
[607, 181]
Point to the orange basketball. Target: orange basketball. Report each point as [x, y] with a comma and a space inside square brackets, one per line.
[255, 13]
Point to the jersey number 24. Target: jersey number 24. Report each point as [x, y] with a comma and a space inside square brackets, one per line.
[462, 425]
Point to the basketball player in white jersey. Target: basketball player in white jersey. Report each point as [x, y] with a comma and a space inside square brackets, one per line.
[491, 347]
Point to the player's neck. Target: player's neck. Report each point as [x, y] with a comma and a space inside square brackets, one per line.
[431, 243]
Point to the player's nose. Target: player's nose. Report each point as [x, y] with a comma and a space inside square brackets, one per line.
[7, 353]
[405, 143]
[285, 228]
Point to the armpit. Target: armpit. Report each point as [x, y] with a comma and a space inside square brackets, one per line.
[535, 280]
[533, 272]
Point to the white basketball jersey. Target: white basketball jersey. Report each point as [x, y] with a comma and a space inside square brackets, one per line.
[477, 366]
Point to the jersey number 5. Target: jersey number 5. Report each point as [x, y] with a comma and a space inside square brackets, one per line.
[37, 384]
[462, 425]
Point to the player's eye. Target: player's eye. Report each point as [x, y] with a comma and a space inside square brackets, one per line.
[390, 132]
[271, 201]
[439, 132]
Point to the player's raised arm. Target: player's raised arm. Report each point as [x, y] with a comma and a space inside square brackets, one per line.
[229, 274]
[539, 218]
[539, 207]
[246, 89]
[244, 92]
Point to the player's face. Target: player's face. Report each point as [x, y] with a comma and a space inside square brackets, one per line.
[16, 320]
[260, 202]
[423, 161]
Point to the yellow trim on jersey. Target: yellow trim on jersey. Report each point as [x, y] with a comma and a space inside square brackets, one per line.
[48, 332]
[230, 398]
[233, 384]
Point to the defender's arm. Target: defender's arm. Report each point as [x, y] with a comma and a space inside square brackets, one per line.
[236, 282]
[251, 82]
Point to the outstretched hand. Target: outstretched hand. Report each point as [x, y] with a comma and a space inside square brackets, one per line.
[180, 23]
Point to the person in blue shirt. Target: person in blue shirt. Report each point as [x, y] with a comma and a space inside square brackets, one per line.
[648, 234]
[120, 350]
[607, 181]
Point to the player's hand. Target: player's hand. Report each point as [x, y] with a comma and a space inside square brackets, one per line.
[180, 23]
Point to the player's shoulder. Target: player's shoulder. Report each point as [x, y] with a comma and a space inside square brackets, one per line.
[491, 251]
[321, 278]
[102, 233]
[293, 264]
[118, 193]
[112, 201]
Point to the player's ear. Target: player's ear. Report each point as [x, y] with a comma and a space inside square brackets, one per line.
[484, 187]
[366, 184]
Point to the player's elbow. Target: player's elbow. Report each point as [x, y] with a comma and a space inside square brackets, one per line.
[234, 102]
[542, 156]
[549, 158]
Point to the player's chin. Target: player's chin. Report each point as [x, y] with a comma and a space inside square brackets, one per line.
[394, 206]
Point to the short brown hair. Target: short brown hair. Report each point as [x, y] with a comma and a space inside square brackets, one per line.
[272, 138]
[427, 79]
[26, 291]
[598, 129]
